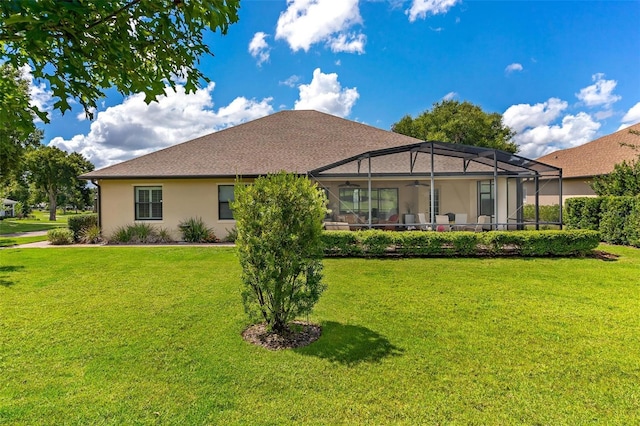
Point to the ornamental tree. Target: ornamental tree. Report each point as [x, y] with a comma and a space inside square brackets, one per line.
[459, 122]
[84, 47]
[279, 224]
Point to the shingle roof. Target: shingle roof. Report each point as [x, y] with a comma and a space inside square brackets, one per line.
[597, 157]
[294, 141]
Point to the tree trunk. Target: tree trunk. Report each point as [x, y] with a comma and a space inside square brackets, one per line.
[52, 206]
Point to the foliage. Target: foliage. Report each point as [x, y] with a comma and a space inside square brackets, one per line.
[84, 48]
[79, 223]
[139, 233]
[152, 336]
[194, 230]
[90, 235]
[376, 243]
[54, 171]
[583, 213]
[624, 180]
[617, 218]
[17, 130]
[232, 235]
[60, 236]
[459, 122]
[279, 223]
[545, 213]
[614, 221]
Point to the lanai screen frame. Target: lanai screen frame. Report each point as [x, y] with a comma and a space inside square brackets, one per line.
[504, 164]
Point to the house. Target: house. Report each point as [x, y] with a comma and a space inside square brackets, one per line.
[581, 164]
[8, 208]
[372, 177]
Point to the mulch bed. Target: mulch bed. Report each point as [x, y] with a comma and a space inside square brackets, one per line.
[299, 334]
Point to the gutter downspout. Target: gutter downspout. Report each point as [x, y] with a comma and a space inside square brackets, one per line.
[98, 202]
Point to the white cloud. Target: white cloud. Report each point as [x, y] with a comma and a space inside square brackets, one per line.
[325, 93]
[291, 81]
[449, 96]
[422, 8]
[306, 22]
[351, 43]
[631, 117]
[41, 97]
[134, 128]
[536, 133]
[513, 67]
[83, 115]
[599, 93]
[522, 116]
[258, 48]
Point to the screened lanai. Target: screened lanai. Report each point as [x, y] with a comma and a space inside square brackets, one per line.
[415, 186]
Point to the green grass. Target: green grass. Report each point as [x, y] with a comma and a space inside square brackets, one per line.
[12, 241]
[124, 335]
[39, 222]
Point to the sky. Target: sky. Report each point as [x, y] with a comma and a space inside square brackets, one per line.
[562, 73]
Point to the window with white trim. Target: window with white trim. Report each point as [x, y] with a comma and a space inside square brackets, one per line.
[148, 201]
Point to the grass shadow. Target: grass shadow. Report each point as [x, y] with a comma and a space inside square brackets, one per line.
[4, 282]
[350, 345]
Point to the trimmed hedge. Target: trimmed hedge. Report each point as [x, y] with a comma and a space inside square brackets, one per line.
[616, 218]
[377, 243]
[80, 223]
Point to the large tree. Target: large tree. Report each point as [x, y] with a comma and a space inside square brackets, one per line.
[459, 122]
[55, 172]
[17, 130]
[83, 47]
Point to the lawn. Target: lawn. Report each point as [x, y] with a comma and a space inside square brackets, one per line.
[125, 335]
[40, 222]
[13, 241]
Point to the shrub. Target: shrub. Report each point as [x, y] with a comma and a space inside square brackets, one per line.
[80, 223]
[60, 236]
[279, 223]
[164, 236]
[232, 236]
[91, 235]
[496, 243]
[614, 225]
[139, 233]
[545, 213]
[194, 230]
[633, 224]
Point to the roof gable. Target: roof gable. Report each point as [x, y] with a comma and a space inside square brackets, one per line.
[294, 141]
[597, 157]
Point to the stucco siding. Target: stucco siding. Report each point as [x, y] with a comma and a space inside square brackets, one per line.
[181, 199]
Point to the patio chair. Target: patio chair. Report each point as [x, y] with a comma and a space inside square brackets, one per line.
[393, 219]
[442, 223]
[482, 223]
[461, 222]
[422, 222]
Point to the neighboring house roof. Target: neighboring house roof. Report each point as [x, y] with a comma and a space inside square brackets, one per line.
[597, 157]
[8, 202]
[294, 141]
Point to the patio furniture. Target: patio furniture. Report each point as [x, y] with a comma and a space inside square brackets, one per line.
[481, 225]
[442, 223]
[422, 222]
[461, 222]
[391, 223]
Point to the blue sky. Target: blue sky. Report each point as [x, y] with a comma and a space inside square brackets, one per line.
[562, 73]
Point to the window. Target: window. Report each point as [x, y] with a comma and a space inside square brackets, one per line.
[436, 200]
[148, 202]
[384, 201]
[485, 197]
[225, 197]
